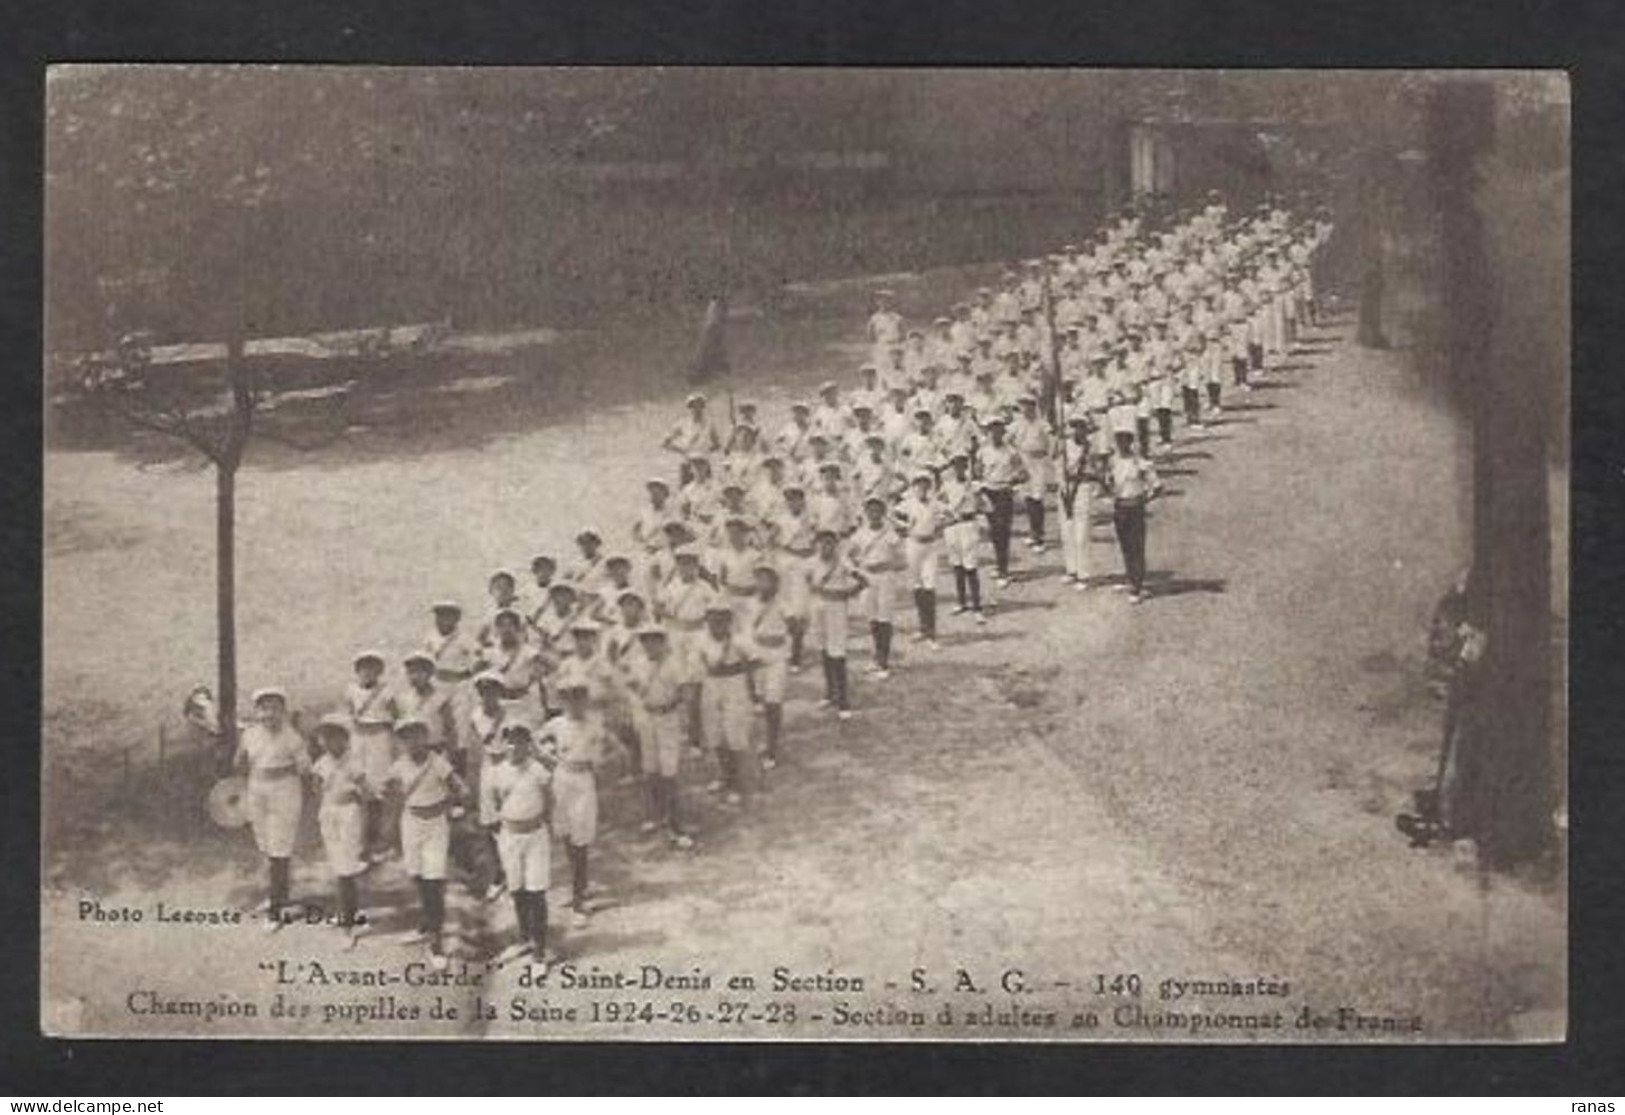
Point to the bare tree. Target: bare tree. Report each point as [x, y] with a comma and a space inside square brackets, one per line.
[179, 150]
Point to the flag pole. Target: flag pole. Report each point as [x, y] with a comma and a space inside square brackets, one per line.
[1054, 392]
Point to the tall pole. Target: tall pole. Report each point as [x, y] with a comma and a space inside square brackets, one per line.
[1506, 783]
[1053, 394]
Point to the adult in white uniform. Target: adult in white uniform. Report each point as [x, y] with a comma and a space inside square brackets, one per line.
[272, 753]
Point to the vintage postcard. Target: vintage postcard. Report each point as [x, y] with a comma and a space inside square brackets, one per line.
[782, 554]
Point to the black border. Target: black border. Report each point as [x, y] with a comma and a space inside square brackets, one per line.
[1574, 36]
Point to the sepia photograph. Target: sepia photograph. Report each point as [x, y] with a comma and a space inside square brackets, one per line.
[805, 554]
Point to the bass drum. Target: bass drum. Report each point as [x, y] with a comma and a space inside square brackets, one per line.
[227, 802]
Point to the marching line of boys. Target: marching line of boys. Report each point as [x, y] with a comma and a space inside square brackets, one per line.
[760, 552]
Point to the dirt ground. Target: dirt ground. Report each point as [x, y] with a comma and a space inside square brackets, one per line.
[1200, 787]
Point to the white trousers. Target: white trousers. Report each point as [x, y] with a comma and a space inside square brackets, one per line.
[1075, 539]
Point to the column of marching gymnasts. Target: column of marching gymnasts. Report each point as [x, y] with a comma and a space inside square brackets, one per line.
[671, 644]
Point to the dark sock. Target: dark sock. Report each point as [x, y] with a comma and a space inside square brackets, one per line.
[347, 900]
[437, 906]
[279, 884]
[919, 610]
[373, 826]
[829, 676]
[883, 642]
[959, 584]
[578, 874]
[672, 792]
[973, 581]
[423, 902]
[930, 624]
[774, 715]
[521, 911]
[692, 712]
[538, 921]
[798, 635]
[841, 698]
[874, 639]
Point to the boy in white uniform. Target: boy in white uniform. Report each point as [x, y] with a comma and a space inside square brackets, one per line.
[342, 816]
[962, 534]
[885, 326]
[521, 794]
[725, 663]
[768, 630]
[876, 550]
[682, 608]
[272, 753]
[791, 532]
[452, 651]
[428, 789]
[649, 533]
[1030, 434]
[577, 740]
[373, 731]
[919, 516]
[656, 684]
[487, 752]
[1077, 502]
[833, 583]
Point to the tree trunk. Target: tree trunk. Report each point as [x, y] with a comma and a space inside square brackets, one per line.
[1506, 761]
[1369, 223]
[226, 465]
[225, 541]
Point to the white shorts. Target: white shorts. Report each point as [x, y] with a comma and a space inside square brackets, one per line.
[377, 751]
[274, 805]
[725, 713]
[684, 653]
[829, 626]
[661, 736]
[793, 591]
[876, 598]
[921, 558]
[527, 858]
[342, 828]
[424, 843]
[771, 678]
[575, 811]
[963, 543]
[1038, 478]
